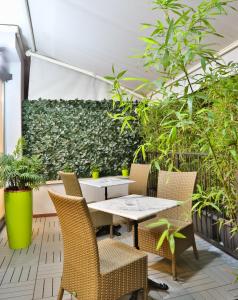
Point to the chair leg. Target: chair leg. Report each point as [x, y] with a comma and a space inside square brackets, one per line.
[129, 227]
[111, 232]
[174, 272]
[60, 294]
[145, 294]
[195, 251]
[134, 295]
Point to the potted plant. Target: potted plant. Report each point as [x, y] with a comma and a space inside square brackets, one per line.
[19, 174]
[124, 170]
[95, 172]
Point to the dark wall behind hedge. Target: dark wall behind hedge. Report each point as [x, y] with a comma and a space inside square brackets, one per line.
[76, 134]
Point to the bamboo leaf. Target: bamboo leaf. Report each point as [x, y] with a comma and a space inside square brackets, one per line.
[158, 223]
[121, 74]
[234, 154]
[161, 240]
[179, 235]
[149, 40]
[169, 32]
[172, 244]
[203, 63]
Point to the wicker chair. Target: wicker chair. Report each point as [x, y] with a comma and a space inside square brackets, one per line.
[175, 186]
[72, 188]
[140, 174]
[91, 271]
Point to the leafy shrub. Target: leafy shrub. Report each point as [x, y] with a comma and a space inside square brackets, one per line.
[18, 172]
[77, 134]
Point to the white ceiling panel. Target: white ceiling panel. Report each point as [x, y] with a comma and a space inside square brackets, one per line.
[94, 34]
[91, 34]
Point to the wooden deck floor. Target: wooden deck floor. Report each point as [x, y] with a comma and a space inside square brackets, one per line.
[34, 273]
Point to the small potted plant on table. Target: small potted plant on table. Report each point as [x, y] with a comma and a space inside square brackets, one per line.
[95, 172]
[124, 170]
[19, 175]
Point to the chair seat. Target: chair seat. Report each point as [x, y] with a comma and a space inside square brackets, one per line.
[123, 269]
[126, 255]
[100, 218]
[117, 220]
[148, 238]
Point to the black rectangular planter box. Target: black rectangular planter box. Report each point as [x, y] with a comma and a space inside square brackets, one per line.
[230, 242]
[207, 227]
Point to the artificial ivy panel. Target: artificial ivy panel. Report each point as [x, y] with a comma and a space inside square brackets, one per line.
[76, 135]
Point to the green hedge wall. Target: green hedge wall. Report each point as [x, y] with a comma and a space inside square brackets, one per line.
[77, 134]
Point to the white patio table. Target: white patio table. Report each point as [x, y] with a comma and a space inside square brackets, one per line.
[137, 208]
[106, 182]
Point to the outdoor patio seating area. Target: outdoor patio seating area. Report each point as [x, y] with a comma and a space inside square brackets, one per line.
[119, 150]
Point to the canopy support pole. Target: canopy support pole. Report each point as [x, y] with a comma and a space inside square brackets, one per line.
[77, 69]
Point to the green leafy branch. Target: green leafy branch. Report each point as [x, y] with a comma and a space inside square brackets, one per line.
[169, 233]
[207, 199]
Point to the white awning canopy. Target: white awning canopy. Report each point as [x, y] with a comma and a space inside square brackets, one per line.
[95, 34]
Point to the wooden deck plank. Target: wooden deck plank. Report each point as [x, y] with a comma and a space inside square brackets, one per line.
[217, 294]
[56, 285]
[16, 290]
[25, 273]
[184, 297]
[197, 296]
[18, 284]
[48, 288]
[39, 283]
[39, 288]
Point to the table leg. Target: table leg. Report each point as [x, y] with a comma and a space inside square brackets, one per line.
[151, 283]
[136, 245]
[106, 228]
[106, 196]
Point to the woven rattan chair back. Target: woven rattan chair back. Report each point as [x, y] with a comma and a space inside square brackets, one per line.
[81, 272]
[177, 186]
[139, 173]
[71, 184]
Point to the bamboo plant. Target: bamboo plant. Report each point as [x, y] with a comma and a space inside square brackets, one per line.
[182, 111]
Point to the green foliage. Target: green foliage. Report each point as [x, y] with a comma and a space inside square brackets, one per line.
[185, 112]
[173, 117]
[77, 134]
[68, 168]
[212, 199]
[169, 233]
[219, 138]
[18, 172]
[95, 169]
[124, 167]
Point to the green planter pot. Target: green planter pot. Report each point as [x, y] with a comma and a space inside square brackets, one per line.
[95, 175]
[18, 216]
[125, 173]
